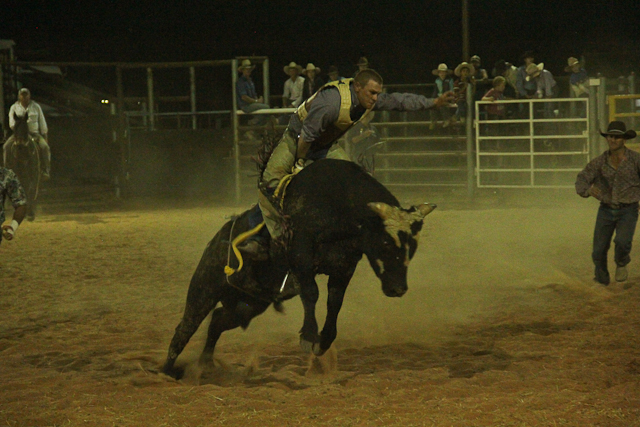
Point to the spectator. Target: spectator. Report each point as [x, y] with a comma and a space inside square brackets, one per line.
[312, 81]
[526, 88]
[37, 128]
[579, 78]
[334, 74]
[247, 97]
[509, 72]
[465, 73]
[444, 83]
[363, 64]
[480, 77]
[292, 95]
[546, 87]
[496, 111]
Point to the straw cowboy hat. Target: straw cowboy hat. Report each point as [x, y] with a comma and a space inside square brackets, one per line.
[292, 65]
[311, 67]
[246, 63]
[363, 61]
[534, 70]
[570, 63]
[442, 67]
[619, 129]
[471, 68]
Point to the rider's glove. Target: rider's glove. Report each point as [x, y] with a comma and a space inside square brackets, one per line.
[298, 166]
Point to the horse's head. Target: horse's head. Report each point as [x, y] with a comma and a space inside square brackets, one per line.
[392, 243]
[21, 129]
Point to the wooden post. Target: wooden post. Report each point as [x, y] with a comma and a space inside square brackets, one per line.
[150, 97]
[234, 122]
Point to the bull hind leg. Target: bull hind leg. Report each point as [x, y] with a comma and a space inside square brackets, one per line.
[193, 316]
[224, 319]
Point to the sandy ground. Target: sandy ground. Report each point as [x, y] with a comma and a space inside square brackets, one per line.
[502, 326]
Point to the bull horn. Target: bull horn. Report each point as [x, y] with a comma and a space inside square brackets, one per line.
[425, 209]
[382, 209]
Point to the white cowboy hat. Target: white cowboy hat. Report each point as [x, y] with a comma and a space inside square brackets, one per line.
[472, 69]
[246, 63]
[534, 70]
[441, 67]
[311, 67]
[292, 65]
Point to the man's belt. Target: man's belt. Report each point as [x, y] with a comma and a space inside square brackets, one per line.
[620, 205]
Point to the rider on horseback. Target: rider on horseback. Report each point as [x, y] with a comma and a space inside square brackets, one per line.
[10, 186]
[37, 128]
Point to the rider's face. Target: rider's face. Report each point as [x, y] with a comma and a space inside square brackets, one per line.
[368, 94]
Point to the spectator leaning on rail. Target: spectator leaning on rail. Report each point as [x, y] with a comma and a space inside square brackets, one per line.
[496, 111]
[578, 79]
[10, 187]
[443, 83]
[37, 128]
[614, 179]
[247, 97]
[314, 129]
[526, 88]
[292, 94]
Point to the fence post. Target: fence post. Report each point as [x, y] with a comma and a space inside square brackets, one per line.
[234, 124]
[594, 148]
[602, 109]
[150, 97]
[469, 129]
[192, 96]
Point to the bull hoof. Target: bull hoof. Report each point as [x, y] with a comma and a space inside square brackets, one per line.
[176, 373]
[311, 347]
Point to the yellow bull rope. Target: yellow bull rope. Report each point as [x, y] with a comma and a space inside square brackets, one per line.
[228, 270]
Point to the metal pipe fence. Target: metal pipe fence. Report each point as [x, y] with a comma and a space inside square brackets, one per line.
[540, 148]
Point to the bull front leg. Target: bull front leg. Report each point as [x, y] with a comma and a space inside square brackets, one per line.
[309, 339]
[337, 286]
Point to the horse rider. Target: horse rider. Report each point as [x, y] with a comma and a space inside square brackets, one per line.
[312, 133]
[37, 128]
[10, 187]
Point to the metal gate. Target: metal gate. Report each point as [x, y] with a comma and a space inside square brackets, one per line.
[543, 143]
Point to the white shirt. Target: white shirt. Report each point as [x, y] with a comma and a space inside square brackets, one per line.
[293, 90]
[36, 121]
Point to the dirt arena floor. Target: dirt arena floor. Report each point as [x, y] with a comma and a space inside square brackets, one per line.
[502, 326]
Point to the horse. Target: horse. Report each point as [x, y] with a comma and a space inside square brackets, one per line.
[336, 212]
[24, 159]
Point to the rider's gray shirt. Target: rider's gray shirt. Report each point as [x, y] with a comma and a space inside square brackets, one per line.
[10, 187]
[325, 110]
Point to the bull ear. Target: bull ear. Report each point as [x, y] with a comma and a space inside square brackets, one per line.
[424, 209]
[382, 209]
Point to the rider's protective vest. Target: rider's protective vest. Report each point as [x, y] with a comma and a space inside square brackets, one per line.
[344, 122]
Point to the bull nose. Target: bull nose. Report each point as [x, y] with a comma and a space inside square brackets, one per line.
[395, 293]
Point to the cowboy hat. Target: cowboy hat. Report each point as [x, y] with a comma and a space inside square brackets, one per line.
[292, 65]
[246, 63]
[311, 67]
[570, 63]
[441, 67]
[459, 68]
[363, 61]
[534, 70]
[618, 128]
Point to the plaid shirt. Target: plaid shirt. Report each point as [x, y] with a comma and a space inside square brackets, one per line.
[616, 186]
[10, 186]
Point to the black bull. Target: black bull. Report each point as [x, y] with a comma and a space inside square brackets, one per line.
[336, 213]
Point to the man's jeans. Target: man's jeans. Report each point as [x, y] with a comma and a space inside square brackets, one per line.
[623, 222]
[258, 119]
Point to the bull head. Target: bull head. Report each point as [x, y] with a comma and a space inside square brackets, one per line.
[395, 245]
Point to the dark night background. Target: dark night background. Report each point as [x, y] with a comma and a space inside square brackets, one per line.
[404, 40]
